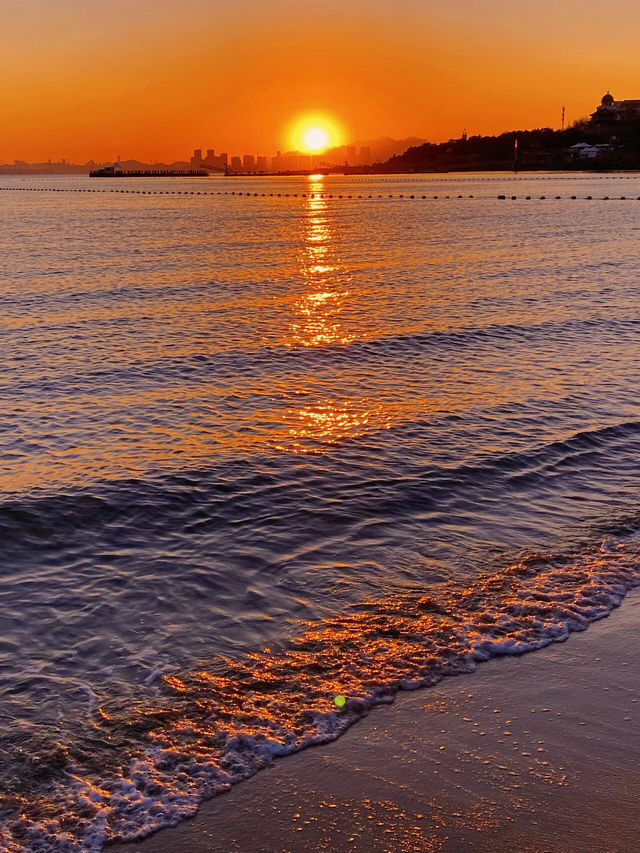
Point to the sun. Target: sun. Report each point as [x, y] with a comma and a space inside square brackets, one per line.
[313, 133]
[316, 139]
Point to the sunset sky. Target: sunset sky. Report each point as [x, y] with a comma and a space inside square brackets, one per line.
[153, 80]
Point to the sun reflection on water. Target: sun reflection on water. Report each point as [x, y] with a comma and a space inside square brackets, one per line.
[318, 321]
[316, 310]
[314, 428]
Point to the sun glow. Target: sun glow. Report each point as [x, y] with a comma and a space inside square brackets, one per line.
[316, 139]
[315, 133]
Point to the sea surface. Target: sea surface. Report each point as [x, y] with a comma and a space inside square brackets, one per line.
[275, 448]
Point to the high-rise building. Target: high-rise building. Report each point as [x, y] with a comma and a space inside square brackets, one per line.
[276, 162]
[350, 154]
[236, 164]
[218, 162]
[249, 163]
[261, 164]
[365, 155]
[196, 160]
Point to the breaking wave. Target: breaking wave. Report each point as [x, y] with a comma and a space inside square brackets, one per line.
[138, 770]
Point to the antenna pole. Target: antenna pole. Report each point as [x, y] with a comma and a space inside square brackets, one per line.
[563, 118]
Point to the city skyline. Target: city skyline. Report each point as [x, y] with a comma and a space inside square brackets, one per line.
[358, 153]
[288, 160]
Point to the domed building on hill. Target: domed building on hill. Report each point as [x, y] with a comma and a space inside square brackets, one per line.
[616, 118]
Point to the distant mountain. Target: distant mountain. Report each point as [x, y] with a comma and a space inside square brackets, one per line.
[138, 165]
[380, 150]
[20, 167]
[385, 147]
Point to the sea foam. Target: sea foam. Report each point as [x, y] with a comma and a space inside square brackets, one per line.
[215, 727]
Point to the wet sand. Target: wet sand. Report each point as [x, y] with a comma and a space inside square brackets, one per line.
[533, 753]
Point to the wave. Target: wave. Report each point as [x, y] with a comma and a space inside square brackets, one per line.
[130, 504]
[229, 362]
[136, 771]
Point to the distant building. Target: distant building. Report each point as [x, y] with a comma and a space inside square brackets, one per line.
[290, 161]
[584, 151]
[249, 163]
[218, 162]
[236, 164]
[615, 118]
[365, 155]
[350, 154]
[261, 164]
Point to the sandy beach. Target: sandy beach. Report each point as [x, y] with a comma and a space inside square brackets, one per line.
[533, 753]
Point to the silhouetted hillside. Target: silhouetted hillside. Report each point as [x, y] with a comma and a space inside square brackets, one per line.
[543, 148]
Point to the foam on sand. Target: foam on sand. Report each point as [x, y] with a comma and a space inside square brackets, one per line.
[150, 768]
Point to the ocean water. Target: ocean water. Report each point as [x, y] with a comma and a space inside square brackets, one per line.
[266, 442]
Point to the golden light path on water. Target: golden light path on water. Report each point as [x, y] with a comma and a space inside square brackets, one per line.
[326, 281]
[327, 285]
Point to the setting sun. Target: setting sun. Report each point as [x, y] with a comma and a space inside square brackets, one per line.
[316, 139]
[315, 133]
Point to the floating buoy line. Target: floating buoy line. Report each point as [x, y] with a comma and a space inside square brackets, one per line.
[338, 196]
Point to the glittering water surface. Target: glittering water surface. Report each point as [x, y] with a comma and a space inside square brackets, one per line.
[260, 451]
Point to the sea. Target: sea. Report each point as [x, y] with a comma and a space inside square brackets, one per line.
[275, 448]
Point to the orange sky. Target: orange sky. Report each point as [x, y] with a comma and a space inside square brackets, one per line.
[153, 80]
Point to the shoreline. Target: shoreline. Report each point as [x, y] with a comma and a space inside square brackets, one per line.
[532, 753]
